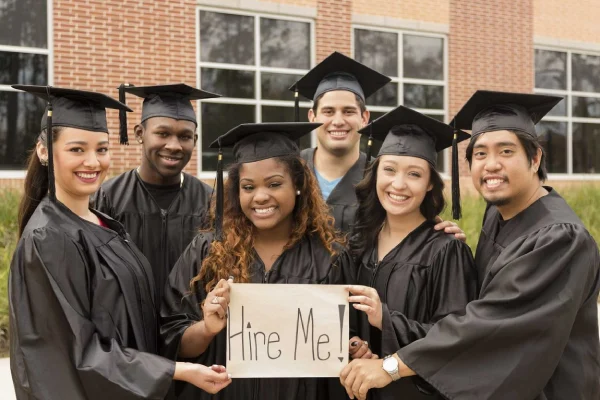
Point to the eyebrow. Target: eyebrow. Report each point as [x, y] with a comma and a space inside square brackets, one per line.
[499, 144]
[83, 143]
[417, 167]
[266, 179]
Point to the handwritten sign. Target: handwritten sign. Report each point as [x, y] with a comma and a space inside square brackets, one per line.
[284, 331]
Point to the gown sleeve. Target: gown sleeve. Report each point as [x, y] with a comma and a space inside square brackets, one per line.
[181, 307]
[452, 284]
[509, 342]
[59, 353]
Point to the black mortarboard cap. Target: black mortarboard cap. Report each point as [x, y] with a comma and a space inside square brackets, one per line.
[406, 132]
[171, 101]
[255, 142]
[339, 72]
[71, 108]
[488, 111]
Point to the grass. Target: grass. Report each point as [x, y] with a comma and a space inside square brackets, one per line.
[585, 200]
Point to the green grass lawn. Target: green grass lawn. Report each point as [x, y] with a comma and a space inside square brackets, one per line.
[584, 200]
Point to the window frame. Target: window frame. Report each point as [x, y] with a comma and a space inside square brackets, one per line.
[258, 69]
[401, 80]
[568, 93]
[49, 52]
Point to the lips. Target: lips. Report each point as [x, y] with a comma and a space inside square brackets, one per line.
[264, 211]
[338, 134]
[397, 198]
[493, 182]
[88, 177]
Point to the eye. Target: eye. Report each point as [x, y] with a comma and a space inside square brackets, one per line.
[327, 112]
[389, 169]
[274, 184]
[76, 150]
[415, 174]
[479, 154]
[162, 134]
[350, 111]
[103, 150]
[247, 188]
[185, 138]
[507, 152]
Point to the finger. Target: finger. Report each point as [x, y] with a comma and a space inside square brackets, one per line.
[349, 382]
[461, 236]
[363, 390]
[358, 380]
[442, 225]
[218, 368]
[368, 354]
[220, 284]
[362, 299]
[452, 230]
[362, 307]
[362, 349]
[354, 345]
[220, 292]
[215, 309]
[374, 357]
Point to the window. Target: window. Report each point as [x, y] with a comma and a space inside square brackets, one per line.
[570, 133]
[24, 55]
[251, 60]
[416, 62]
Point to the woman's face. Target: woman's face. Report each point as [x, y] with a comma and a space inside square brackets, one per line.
[81, 160]
[267, 193]
[402, 183]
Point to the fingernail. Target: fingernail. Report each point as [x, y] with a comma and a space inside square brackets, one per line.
[215, 366]
[230, 277]
[353, 344]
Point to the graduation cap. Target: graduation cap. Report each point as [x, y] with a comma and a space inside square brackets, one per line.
[256, 142]
[338, 72]
[74, 109]
[171, 101]
[488, 111]
[406, 132]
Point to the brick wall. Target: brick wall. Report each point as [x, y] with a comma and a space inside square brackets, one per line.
[490, 46]
[333, 27]
[100, 43]
[436, 11]
[569, 20]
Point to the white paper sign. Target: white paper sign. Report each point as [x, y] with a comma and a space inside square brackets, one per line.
[284, 331]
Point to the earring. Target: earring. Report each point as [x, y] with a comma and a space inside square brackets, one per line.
[140, 140]
[297, 193]
[44, 162]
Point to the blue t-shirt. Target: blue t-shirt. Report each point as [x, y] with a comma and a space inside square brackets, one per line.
[325, 185]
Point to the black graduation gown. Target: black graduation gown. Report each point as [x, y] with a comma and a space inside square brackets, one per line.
[308, 262]
[160, 235]
[427, 276]
[342, 200]
[533, 332]
[83, 320]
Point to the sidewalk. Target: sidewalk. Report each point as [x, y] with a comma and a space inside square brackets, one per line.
[6, 388]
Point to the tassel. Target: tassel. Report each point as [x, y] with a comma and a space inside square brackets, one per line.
[219, 205]
[123, 137]
[456, 209]
[296, 105]
[369, 149]
[50, 139]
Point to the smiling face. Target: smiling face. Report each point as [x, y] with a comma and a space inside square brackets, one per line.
[267, 194]
[341, 117]
[167, 146]
[81, 160]
[402, 183]
[501, 170]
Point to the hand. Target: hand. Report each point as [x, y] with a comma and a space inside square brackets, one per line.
[214, 308]
[361, 375]
[359, 348]
[450, 227]
[366, 299]
[210, 379]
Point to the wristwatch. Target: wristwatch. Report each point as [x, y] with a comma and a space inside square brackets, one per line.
[390, 365]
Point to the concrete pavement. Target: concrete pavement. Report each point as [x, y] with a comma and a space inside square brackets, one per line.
[6, 387]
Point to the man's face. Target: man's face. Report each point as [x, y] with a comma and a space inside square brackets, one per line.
[167, 146]
[500, 170]
[341, 117]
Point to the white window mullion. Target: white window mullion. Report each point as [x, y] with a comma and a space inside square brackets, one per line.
[569, 100]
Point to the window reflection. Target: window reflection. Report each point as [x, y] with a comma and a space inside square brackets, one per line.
[284, 44]
[550, 69]
[423, 57]
[275, 86]
[553, 136]
[226, 38]
[588, 107]
[228, 83]
[423, 96]
[586, 70]
[586, 147]
[377, 50]
[24, 23]
[24, 68]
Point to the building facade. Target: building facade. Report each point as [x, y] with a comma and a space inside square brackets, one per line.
[437, 52]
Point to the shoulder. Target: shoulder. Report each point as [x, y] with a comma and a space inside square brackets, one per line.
[126, 178]
[308, 154]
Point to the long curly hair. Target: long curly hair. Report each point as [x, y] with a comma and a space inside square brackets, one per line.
[371, 214]
[234, 254]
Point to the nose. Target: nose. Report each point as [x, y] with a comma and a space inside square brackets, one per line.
[261, 196]
[91, 160]
[173, 143]
[399, 182]
[338, 119]
[492, 163]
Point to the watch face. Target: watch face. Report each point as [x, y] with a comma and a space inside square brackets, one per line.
[390, 364]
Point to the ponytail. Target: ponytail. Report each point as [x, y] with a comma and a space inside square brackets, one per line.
[36, 182]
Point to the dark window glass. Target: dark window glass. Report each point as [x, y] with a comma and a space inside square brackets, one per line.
[377, 50]
[275, 86]
[286, 114]
[423, 96]
[586, 147]
[228, 82]
[217, 119]
[423, 57]
[559, 110]
[226, 38]
[553, 136]
[585, 70]
[24, 23]
[550, 69]
[387, 96]
[23, 68]
[284, 44]
[20, 116]
[586, 107]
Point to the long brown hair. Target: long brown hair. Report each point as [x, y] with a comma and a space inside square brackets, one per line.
[36, 181]
[371, 214]
[233, 255]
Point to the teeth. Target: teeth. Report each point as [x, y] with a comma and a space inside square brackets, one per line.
[494, 182]
[87, 176]
[338, 133]
[264, 210]
[170, 159]
[397, 198]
